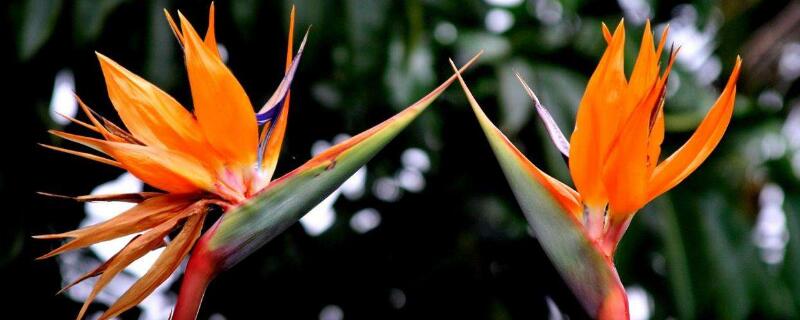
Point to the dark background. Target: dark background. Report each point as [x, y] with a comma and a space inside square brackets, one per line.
[459, 248]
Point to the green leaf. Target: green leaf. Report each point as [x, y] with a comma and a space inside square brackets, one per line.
[245, 229]
[591, 276]
[39, 20]
[791, 267]
[729, 282]
[90, 16]
[675, 252]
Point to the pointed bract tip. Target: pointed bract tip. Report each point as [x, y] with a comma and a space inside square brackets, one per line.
[53, 195]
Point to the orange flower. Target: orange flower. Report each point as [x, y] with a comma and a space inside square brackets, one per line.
[614, 149]
[220, 155]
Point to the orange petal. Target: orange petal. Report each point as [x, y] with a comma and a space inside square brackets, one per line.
[273, 149]
[96, 125]
[137, 197]
[597, 121]
[606, 34]
[705, 138]
[221, 105]
[165, 265]
[211, 38]
[167, 170]
[175, 30]
[655, 140]
[625, 174]
[145, 215]
[657, 118]
[152, 116]
[85, 155]
[644, 75]
[135, 249]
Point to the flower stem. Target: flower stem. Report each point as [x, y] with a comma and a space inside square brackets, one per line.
[195, 281]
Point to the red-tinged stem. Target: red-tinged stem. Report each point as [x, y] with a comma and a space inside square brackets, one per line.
[198, 275]
[616, 229]
[615, 305]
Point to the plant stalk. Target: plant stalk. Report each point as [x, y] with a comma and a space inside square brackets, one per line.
[198, 275]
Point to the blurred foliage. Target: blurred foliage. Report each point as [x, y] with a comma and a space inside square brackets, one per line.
[459, 248]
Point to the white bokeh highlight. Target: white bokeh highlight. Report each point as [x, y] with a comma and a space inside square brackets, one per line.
[63, 100]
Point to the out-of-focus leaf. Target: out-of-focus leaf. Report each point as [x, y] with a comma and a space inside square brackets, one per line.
[245, 14]
[675, 253]
[161, 64]
[791, 266]
[38, 21]
[89, 17]
[240, 232]
[366, 31]
[14, 246]
[688, 105]
[495, 46]
[409, 69]
[514, 103]
[729, 291]
[586, 271]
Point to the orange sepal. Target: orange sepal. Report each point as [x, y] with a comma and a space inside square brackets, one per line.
[221, 105]
[145, 215]
[625, 174]
[165, 265]
[135, 249]
[211, 38]
[151, 115]
[164, 169]
[89, 156]
[699, 146]
[597, 122]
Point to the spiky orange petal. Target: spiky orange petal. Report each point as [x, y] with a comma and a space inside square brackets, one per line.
[625, 172]
[221, 105]
[152, 116]
[211, 38]
[89, 156]
[167, 262]
[699, 146]
[625, 175]
[167, 170]
[597, 122]
[136, 248]
[145, 215]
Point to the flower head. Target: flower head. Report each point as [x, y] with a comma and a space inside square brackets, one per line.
[613, 160]
[219, 155]
[614, 150]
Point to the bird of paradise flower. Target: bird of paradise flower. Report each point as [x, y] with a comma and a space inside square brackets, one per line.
[613, 160]
[222, 155]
